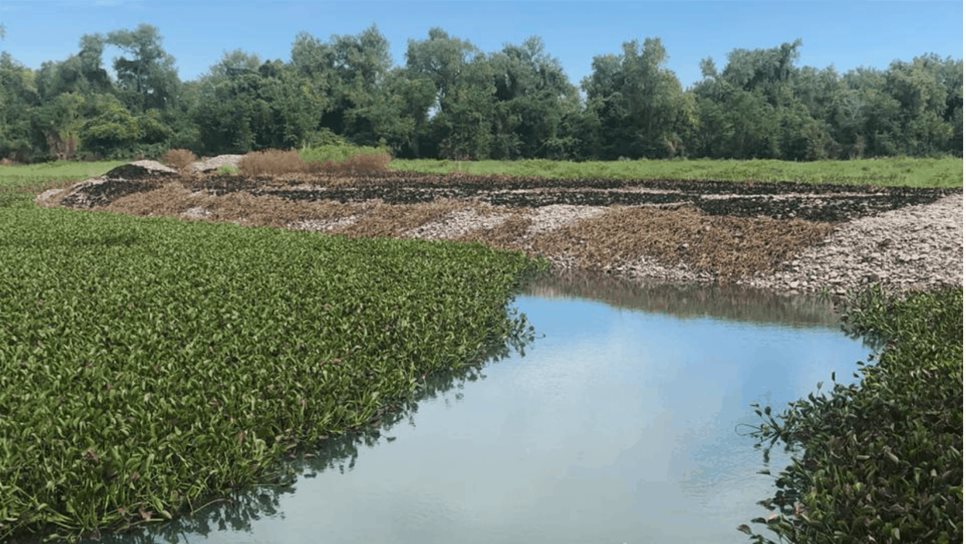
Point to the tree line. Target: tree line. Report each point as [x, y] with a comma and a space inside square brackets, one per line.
[451, 100]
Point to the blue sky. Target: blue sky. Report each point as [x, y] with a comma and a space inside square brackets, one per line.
[844, 34]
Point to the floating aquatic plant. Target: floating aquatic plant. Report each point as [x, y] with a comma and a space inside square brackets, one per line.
[149, 364]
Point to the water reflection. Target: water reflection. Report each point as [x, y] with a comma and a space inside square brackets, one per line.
[729, 302]
[619, 425]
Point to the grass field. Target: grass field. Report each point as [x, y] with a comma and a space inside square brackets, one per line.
[945, 172]
[147, 365]
[32, 175]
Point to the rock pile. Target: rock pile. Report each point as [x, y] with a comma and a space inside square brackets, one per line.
[912, 247]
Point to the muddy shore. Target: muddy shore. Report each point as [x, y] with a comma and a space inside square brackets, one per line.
[785, 237]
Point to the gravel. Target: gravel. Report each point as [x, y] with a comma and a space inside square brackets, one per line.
[324, 225]
[149, 166]
[549, 218]
[909, 248]
[457, 224]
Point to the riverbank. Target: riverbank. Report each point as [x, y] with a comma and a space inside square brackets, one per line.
[786, 237]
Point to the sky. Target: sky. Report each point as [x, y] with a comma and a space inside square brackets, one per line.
[844, 34]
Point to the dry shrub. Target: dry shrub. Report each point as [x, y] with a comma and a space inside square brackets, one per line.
[371, 163]
[271, 162]
[179, 159]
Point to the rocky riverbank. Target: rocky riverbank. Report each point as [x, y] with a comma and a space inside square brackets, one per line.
[784, 237]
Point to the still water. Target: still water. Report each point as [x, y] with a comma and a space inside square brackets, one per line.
[621, 423]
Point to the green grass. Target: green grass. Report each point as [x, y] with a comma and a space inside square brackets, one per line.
[31, 175]
[944, 172]
[880, 460]
[149, 364]
[337, 152]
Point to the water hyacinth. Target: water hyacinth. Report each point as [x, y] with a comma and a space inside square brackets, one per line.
[149, 364]
[878, 460]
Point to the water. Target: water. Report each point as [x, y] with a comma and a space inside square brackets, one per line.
[622, 423]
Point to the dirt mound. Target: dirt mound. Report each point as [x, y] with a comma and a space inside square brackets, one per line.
[135, 177]
[139, 170]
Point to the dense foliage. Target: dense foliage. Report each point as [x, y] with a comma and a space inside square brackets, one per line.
[450, 100]
[146, 363]
[880, 460]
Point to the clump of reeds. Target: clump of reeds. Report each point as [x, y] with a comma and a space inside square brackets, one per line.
[179, 159]
[271, 162]
[275, 162]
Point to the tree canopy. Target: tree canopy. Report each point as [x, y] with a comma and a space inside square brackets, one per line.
[451, 100]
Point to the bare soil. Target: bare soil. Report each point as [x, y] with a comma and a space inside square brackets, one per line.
[781, 236]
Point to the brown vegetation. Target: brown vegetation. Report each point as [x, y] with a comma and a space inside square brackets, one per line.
[271, 162]
[174, 199]
[507, 234]
[179, 159]
[722, 246]
[276, 162]
[729, 247]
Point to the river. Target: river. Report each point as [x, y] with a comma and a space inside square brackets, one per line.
[624, 421]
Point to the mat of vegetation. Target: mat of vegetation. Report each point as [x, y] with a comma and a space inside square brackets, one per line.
[887, 172]
[881, 460]
[146, 364]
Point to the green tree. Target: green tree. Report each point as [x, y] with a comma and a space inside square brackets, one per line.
[245, 104]
[81, 73]
[641, 107]
[533, 100]
[447, 126]
[110, 130]
[351, 72]
[922, 94]
[58, 122]
[18, 98]
[762, 106]
[146, 76]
